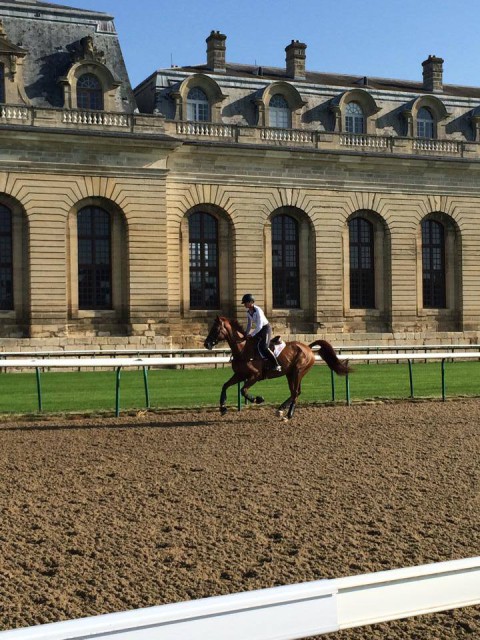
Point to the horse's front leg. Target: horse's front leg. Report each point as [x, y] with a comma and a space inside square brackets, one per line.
[223, 395]
[249, 382]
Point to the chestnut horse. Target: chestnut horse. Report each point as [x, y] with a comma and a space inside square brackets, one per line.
[296, 359]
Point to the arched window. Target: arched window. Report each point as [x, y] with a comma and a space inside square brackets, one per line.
[203, 252]
[433, 265]
[285, 264]
[354, 118]
[89, 92]
[279, 112]
[198, 108]
[425, 123]
[362, 266]
[2, 83]
[94, 259]
[6, 259]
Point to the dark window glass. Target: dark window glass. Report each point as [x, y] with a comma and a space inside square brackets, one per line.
[2, 83]
[89, 93]
[425, 124]
[433, 265]
[362, 270]
[94, 259]
[6, 259]
[285, 264]
[203, 247]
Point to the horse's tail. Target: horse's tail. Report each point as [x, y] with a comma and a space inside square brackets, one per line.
[327, 353]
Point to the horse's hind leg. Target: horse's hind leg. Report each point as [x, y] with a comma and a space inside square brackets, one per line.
[283, 406]
[223, 396]
[294, 384]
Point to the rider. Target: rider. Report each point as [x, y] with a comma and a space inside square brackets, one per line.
[262, 331]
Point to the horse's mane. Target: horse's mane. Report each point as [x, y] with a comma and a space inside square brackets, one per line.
[236, 325]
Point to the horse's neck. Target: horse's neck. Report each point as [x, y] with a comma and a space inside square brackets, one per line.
[235, 341]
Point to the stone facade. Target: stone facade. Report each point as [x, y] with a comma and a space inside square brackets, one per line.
[143, 160]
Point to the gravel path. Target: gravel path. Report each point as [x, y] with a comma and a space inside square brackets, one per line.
[109, 514]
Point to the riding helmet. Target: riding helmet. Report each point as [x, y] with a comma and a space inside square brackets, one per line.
[248, 298]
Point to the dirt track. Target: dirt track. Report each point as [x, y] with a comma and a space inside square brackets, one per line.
[103, 515]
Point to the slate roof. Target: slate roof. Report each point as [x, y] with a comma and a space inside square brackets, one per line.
[50, 33]
[335, 79]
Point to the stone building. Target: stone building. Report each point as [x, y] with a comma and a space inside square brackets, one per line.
[348, 205]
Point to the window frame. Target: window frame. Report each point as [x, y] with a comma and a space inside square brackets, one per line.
[434, 296]
[92, 303]
[93, 97]
[198, 105]
[7, 304]
[354, 122]
[426, 126]
[361, 279]
[280, 274]
[204, 270]
[279, 116]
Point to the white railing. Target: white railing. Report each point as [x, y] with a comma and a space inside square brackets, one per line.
[14, 113]
[205, 129]
[286, 135]
[285, 613]
[96, 118]
[439, 146]
[368, 142]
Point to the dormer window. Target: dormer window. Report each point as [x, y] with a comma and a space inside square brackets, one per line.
[198, 107]
[279, 112]
[354, 118]
[425, 123]
[89, 93]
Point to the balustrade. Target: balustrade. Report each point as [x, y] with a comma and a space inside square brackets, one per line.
[207, 129]
[438, 146]
[94, 118]
[370, 142]
[14, 113]
[286, 135]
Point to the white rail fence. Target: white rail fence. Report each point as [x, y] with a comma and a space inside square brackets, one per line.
[284, 613]
[145, 363]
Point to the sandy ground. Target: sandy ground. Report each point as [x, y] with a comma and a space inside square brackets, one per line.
[103, 515]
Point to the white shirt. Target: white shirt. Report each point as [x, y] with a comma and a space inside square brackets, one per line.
[256, 317]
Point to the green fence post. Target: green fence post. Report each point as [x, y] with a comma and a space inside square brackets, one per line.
[410, 375]
[147, 392]
[39, 389]
[332, 377]
[347, 389]
[117, 392]
[443, 380]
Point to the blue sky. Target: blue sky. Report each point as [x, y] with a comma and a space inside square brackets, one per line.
[382, 38]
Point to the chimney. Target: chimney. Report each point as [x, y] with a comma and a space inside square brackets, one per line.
[296, 60]
[216, 52]
[433, 74]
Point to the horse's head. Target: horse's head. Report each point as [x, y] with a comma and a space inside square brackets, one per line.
[217, 333]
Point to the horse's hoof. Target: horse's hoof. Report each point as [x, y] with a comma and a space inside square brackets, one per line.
[259, 400]
[223, 411]
[286, 419]
[280, 414]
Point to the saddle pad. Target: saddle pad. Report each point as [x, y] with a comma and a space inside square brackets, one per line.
[279, 348]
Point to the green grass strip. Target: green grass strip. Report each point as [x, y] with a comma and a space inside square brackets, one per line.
[89, 391]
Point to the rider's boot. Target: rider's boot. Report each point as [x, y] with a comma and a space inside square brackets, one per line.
[275, 364]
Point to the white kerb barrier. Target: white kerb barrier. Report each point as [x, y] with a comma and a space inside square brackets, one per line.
[284, 613]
